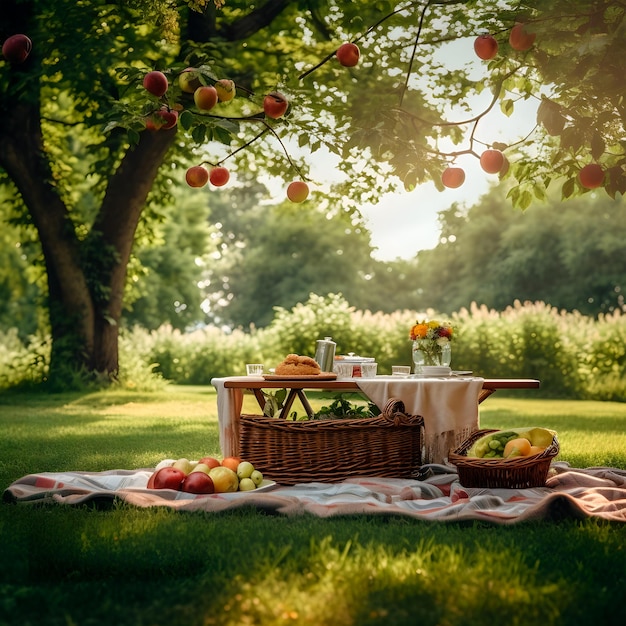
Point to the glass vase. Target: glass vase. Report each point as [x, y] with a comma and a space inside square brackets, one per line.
[431, 355]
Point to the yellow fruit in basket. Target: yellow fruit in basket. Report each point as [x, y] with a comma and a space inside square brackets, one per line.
[517, 447]
[536, 450]
[540, 436]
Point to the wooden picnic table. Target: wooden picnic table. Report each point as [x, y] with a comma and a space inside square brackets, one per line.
[449, 405]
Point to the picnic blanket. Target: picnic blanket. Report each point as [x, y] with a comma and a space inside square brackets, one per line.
[435, 495]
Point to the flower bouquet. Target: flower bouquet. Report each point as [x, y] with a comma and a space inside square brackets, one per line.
[431, 343]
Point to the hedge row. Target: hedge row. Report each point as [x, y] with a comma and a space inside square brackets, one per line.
[574, 356]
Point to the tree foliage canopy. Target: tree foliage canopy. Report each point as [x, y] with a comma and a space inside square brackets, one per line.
[89, 178]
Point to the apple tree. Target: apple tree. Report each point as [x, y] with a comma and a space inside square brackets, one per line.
[90, 145]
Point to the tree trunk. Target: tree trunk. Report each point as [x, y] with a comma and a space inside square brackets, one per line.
[84, 326]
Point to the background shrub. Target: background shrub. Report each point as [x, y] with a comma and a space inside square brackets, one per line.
[574, 356]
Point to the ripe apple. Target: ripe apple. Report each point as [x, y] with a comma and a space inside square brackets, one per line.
[591, 176]
[16, 48]
[520, 39]
[168, 478]
[163, 119]
[275, 105]
[453, 177]
[246, 484]
[219, 176]
[232, 462]
[245, 469]
[256, 477]
[197, 176]
[348, 54]
[491, 161]
[224, 479]
[184, 464]
[298, 191]
[485, 47]
[189, 80]
[210, 461]
[198, 482]
[205, 97]
[225, 89]
[156, 83]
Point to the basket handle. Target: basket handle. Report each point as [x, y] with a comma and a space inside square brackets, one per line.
[395, 411]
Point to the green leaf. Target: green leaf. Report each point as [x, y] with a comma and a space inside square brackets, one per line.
[198, 134]
[507, 107]
[568, 188]
[185, 120]
[597, 145]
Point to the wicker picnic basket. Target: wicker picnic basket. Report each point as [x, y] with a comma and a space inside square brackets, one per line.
[331, 450]
[517, 473]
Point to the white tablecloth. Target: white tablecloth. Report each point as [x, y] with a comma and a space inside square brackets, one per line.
[449, 407]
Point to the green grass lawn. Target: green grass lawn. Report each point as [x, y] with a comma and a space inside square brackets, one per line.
[128, 566]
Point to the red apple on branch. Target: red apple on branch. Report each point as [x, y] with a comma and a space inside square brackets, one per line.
[163, 119]
[453, 177]
[16, 48]
[219, 176]
[348, 54]
[298, 191]
[520, 39]
[275, 105]
[197, 176]
[485, 47]
[591, 176]
[492, 161]
[205, 97]
[156, 83]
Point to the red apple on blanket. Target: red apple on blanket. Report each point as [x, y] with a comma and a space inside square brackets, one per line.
[210, 461]
[168, 478]
[198, 482]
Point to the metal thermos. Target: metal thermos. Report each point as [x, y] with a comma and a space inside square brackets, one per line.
[325, 354]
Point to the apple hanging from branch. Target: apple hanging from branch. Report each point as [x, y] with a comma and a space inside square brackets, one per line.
[298, 191]
[197, 176]
[492, 161]
[225, 89]
[155, 82]
[275, 105]
[205, 97]
[485, 47]
[591, 176]
[520, 39]
[348, 54]
[219, 176]
[16, 48]
[453, 177]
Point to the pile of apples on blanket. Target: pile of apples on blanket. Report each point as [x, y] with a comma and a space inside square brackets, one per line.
[208, 475]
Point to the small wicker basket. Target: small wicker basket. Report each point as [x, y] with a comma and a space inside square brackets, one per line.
[291, 452]
[517, 473]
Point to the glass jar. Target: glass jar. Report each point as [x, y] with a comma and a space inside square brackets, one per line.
[431, 355]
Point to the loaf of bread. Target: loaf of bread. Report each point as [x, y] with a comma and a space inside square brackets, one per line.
[295, 365]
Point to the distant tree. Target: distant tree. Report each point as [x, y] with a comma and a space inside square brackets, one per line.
[568, 254]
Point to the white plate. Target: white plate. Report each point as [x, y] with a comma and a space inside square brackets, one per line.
[435, 370]
[265, 484]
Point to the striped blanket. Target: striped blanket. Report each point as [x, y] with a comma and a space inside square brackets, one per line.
[436, 496]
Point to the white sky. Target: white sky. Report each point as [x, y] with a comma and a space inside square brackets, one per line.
[403, 223]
